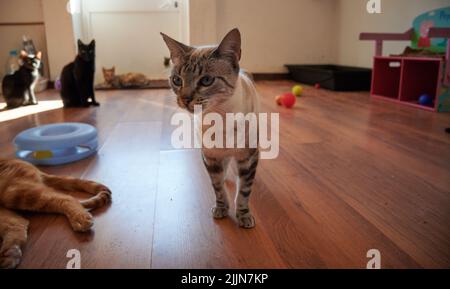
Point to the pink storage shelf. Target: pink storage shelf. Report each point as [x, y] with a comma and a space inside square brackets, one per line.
[404, 79]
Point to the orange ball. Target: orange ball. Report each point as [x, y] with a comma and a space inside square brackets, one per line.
[278, 99]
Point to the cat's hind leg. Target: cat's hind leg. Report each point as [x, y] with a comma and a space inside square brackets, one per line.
[13, 232]
[36, 197]
[101, 193]
[247, 171]
[13, 102]
[216, 169]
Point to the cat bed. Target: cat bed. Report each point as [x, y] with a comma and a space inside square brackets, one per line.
[153, 83]
[56, 144]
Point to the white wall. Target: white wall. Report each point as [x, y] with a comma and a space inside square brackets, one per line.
[397, 17]
[278, 32]
[202, 22]
[77, 22]
[59, 34]
[55, 38]
[274, 32]
[127, 33]
[15, 11]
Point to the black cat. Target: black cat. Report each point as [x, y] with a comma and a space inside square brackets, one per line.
[18, 88]
[77, 78]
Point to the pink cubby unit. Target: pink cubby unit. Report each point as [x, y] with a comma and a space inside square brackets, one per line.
[405, 79]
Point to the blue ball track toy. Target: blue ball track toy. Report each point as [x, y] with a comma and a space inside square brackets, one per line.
[56, 144]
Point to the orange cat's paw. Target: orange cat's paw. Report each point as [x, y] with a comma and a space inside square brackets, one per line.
[103, 188]
[101, 199]
[105, 197]
[81, 222]
[10, 258]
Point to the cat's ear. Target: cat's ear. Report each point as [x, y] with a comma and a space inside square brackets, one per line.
[92, 43]
[23, 54]
[231, 44]
[80, 43]
[177, 50]
[39, 55]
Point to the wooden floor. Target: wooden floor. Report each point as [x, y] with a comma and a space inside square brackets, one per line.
[353, 174]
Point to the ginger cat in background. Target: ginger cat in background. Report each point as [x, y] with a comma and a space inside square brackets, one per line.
[24, 187]
[127, 80]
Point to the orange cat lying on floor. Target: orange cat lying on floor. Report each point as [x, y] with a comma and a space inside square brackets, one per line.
[127, 80]
[24, 187]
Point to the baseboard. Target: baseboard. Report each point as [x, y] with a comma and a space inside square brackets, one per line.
[271, 76]
[50, 84]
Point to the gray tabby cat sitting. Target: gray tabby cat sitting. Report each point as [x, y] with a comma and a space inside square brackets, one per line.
[211, 77]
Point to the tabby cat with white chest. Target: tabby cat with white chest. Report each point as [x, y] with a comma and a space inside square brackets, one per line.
[211, 77]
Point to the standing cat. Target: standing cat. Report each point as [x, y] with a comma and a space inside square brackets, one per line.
[18, 88]
[24, 187]
[127, 80]
[211, 77]
[77, 78]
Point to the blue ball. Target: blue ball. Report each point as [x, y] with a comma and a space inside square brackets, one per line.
[425, 99]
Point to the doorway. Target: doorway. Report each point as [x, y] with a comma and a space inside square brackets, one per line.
[127, 33]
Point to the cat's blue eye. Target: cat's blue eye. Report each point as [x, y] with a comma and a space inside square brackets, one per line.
[206, 80]
[176, 80]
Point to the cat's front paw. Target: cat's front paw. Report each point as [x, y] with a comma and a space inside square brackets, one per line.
[10, 258]
[30, 102]
[219, 212]
[81, 222]
[246, 221]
